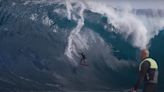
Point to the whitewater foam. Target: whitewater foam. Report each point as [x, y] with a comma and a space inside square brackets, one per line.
[135, 28]
[75, 40]
[47, 21]
[69, 9]
[130, 25]
[34, 17]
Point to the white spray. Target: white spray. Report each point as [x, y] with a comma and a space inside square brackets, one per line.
[128, 24]
[69, 9]
[139, 29]
[75, 40]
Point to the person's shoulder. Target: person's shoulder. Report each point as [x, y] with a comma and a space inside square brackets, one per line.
[146, 63]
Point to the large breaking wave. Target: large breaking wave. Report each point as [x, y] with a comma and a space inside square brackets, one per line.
[40, 42]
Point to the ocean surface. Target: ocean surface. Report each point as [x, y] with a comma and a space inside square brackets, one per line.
[40, 42]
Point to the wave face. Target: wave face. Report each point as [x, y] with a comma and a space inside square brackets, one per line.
[40, 42]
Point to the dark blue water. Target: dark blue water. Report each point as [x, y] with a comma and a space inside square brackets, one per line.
[32, 54]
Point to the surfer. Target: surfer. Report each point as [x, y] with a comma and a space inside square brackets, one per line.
[148, 72]
[83, 59]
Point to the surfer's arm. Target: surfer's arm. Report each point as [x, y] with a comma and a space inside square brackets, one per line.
[142, 73]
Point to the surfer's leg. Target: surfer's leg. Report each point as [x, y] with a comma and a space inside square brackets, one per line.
[84, 63]
[81, 61]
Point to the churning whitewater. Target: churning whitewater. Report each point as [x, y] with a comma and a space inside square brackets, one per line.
[41, 42]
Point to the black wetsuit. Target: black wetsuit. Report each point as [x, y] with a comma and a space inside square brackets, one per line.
[145, 69]
[83, 59]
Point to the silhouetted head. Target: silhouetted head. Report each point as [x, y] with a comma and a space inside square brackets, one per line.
[144, 54]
